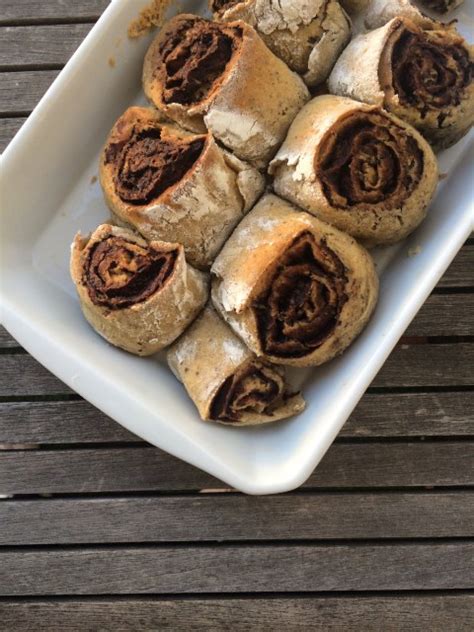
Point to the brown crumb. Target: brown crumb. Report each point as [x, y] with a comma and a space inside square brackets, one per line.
[151, 16]
[442, 176]
[93, 180]
[212, 490]
[414, 250]
[111, 62]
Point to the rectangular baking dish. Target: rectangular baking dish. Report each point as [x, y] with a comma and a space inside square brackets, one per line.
[50, 191]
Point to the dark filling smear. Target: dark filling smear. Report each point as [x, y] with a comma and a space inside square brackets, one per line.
[427, 74]
[369, 160]
[255, 388]
[222, 5]
[193, 57]
[147, 165]
[120, 273]
[302, 306]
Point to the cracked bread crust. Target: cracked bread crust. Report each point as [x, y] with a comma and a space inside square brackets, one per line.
[357, 167]
[130, 297]
[197, 204]
[431, 58]
[250, 102]
[239, 389]
[308, 35]
[295, 289]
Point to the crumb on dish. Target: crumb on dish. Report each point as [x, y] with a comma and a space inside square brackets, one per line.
[151, 16]
[111, 61]
[93, 180]
[414, 250]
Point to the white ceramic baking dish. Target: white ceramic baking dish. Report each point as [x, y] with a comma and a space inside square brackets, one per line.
[49, 192]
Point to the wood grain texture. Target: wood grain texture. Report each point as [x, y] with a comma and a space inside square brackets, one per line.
[392, 613]
[53, 10]
[377, 415]
[409, 365]
[461, 271]
[237, 518]
[444, 315]
[40, 45]
[21, 91]
[358, 465]
[237, 568]
[8, 128]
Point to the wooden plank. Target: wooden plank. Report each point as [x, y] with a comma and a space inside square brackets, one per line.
[21, 91]
[52, 10]
[39, 45]
[417, 362]
[236, 517]
[377, 415]
[428, 365]
[434, 612]
[23, 375]
[7, 341]
[243, 568]
[359, 465]
[8, 128]
[422, 365]
[412, 414]
[461, 271]
[444, 315]
[59, 422]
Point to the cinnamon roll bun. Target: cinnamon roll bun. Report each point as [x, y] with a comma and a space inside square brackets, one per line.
[308, 35]
[139, 296]
[171, 185]
[222, 78]
[357, 167]
[422, 73]
[296, 290]
[226, 381]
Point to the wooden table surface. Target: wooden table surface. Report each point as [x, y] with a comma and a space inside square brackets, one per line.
[99, 530]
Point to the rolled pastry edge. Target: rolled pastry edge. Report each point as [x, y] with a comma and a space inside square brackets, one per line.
[151, 324]
[245, 268]
[295, 171]
[201, 208]
[208, 355]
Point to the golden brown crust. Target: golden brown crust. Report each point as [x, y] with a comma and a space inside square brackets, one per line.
[389, 65]
[308, 35]
[247, 106]
[175, 186]
[295, 289]
[139, 296]
[357, 167]
[227, 383]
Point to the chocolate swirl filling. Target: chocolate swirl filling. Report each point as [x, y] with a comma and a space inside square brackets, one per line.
[254, 388]
[147, 164]
[369, 160]
[192, 58]
[120, 273]
[427, 73]
[301, 308]
[222, 5]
